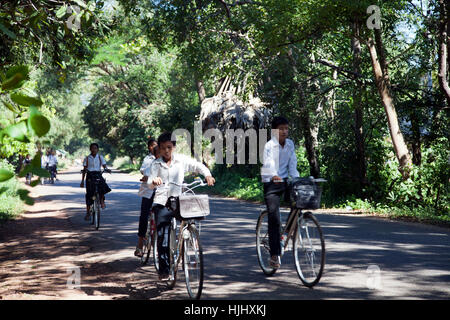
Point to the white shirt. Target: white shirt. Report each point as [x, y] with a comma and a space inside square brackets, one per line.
[145, 191]
[278, 160]
[52, 160]
[44, 161]
[147, 163]
[94, 164]
[179, 165]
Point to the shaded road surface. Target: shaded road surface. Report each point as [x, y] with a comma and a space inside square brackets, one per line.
[413, 259]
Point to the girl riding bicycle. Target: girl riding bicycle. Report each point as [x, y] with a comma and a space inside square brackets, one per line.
[146, 194]
[279, 162]
[170, 167]
[93, 164]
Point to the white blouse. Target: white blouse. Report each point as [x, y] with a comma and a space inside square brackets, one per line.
[179, 165]
[94, 164]
[145, 191]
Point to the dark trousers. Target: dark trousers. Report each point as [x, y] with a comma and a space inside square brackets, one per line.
[163, 217]
[272, 197]
[103, 188]
[146, 206]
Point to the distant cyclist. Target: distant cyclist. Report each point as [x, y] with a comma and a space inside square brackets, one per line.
[52, 162]
[93, 164]
[25, 163]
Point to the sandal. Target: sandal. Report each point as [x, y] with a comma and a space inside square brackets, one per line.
[87, 217]
[274, 262]
[139, 252]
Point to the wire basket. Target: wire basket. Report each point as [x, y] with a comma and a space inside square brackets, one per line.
[193, 206]
[306, 194]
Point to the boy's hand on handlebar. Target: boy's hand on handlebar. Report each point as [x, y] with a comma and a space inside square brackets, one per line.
[277, 179]
[157, 181]
[210, 180]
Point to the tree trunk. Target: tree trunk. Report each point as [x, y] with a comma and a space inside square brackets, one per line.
[383, 85]
[310, 131]
[357, 105]
[200, 91]
[444, 27]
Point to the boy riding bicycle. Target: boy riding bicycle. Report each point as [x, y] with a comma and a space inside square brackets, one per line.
[170, 167]
[279, 162]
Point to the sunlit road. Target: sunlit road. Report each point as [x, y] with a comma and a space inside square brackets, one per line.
[413, 259]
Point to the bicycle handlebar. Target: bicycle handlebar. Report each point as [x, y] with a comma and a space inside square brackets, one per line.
[198, 181]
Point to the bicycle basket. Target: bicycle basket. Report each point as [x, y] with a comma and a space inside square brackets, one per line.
[306, 194]
[193, 206]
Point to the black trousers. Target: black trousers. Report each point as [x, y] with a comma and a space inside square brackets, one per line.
[146, 206]
[163, 217]
[272, 197]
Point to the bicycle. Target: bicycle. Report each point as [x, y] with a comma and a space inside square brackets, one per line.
[190, 209]
[52, 171]
[151, 242]
[94, 210]
[302, 230]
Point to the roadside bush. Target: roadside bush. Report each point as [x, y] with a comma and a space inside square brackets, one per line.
[10, 203]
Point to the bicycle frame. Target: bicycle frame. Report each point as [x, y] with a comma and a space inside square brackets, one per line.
[180, 243]
[290, 227]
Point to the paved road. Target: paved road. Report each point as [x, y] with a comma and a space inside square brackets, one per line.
[413, 259]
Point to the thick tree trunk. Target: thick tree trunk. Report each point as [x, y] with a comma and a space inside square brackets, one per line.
[200, 91]
[380, 70]
[358, 107]
[444, 27]
[310, 130]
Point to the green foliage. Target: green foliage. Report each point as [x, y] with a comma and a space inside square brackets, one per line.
[238, 182]
[10, 204]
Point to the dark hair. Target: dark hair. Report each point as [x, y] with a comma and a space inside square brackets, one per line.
[93, 144]
[150, 141]
[166, 136]
[278, 121]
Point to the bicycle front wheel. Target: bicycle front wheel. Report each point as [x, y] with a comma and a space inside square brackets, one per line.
[262, 244]
[193, 262]
[173, 265]
[309, 250]
[154, 239]
[96, 215]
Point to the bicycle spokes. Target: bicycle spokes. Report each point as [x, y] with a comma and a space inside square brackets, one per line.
[309, 250]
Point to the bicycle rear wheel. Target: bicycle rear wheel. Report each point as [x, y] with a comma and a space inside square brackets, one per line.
[193, 262]
[262, 244]
[309, 249]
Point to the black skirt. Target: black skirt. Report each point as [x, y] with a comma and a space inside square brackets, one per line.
[92, 178]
